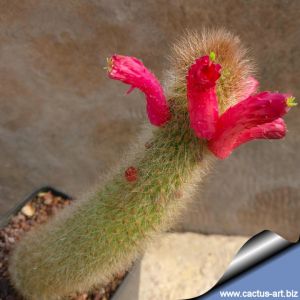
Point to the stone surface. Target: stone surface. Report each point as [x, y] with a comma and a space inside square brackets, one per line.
[62, 122]
[180, 266]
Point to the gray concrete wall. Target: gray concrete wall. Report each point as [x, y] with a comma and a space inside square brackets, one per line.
[62, 122]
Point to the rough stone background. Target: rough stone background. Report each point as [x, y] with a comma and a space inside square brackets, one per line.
[62, 122]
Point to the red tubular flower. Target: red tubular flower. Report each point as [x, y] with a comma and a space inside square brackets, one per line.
[202, 98]
[255, 117]
[273, 130]
[132, 71]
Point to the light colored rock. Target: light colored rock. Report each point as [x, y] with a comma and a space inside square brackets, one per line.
[28, 210]
[180, 266]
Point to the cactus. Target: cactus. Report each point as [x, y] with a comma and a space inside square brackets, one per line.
[209, 107]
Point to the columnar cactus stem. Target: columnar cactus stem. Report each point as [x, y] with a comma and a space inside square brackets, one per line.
[101, 235]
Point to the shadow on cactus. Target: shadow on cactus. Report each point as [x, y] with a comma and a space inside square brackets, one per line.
[209, 107]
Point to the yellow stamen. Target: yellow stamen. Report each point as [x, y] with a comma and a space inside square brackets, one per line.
[212, 56]
[291, 101]
[109, 66]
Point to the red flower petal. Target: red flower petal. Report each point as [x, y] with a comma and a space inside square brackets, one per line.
[202, 98]
[273, 130]
[132, 71]
[256, 110]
